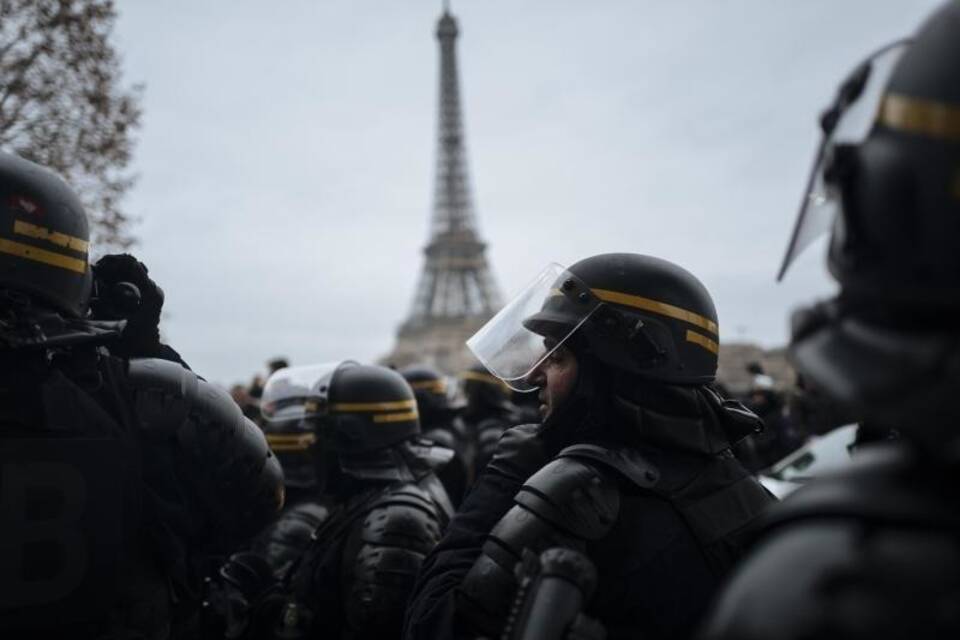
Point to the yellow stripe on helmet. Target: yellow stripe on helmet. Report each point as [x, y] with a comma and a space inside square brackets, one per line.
[435, 386]
[395, 417]
[485, 378]
[290, 441]
[29, 230]
[703, 341]
[286, 448]
[43, 256]
[923, 117]
[655, 306]
[351, 407]
[292, 437]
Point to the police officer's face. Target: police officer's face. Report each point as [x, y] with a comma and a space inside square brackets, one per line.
[557, 377]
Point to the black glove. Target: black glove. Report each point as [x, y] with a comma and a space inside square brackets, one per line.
[115, 299]
[523, 449]
[243, 599]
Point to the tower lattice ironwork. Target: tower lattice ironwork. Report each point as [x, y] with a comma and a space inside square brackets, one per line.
[456, 292]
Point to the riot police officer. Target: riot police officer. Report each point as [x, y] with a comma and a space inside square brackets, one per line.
[631, 463]
[118, 475]
[440, 422]
[488, 412]
[386, 507]
[294, 442]
[874, 552]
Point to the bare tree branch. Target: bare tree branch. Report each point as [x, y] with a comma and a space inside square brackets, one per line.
[63, 103]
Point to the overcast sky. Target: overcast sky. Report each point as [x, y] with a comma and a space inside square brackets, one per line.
[287, 151]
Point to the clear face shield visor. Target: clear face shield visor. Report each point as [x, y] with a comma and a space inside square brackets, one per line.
[299, 392]
[848, 122]
[534, 324]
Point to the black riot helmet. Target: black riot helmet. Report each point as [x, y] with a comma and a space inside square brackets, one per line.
[886, 184]
[44, 237]
[431, 390]
[346, 409]
[294, 439]
[483, 391]
[370, 407]
[634, 313]
[294, 442]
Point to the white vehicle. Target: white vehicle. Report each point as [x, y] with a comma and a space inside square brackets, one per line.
[820, 455]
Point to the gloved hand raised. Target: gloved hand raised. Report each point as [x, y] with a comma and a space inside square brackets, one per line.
[140, 305]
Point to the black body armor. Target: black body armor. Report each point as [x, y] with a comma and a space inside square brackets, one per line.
[284, 541]
[577, 500]
[874, 551]
[224, 457]
[114, 483]
[359, 426]
[354, 580]
[870, 553]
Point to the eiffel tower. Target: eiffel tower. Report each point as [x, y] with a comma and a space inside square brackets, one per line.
[456, 292]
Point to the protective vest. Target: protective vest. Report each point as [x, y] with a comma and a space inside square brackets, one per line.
[354, 580]
[575, 501]
[69, 492]
[114, 475]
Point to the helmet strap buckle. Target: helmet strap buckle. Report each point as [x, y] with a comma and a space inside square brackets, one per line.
[642, 345]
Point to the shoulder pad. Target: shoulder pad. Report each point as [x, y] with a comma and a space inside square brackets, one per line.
[163, 393]
[225, 455]
[411, 496]
[410, 521]
[405, 493]
[629, 462]
[574, 496]
[284, 540]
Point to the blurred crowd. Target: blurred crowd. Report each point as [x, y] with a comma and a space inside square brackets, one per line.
[473, 397]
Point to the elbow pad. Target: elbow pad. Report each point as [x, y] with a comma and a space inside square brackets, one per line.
[565, 504]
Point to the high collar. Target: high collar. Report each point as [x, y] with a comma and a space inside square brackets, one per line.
[673, 417]
[610, 405]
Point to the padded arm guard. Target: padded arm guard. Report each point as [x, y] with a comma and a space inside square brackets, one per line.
[565, 504]
[227, 461]
[390, 542]
[287, 538]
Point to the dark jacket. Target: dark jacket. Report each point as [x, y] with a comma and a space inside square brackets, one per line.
[122, 480]
[872, 552]
[680, 505]
[355, 577]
